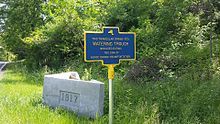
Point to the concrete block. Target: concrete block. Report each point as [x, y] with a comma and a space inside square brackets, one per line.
[86, 98]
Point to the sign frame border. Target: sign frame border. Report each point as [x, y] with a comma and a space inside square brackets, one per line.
[94, 32]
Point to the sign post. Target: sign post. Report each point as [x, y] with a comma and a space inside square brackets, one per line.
[110, 77]
[109, 47]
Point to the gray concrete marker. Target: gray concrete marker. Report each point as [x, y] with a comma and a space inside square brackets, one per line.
[86, 98]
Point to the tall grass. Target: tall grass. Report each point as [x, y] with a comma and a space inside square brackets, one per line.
[166, 102]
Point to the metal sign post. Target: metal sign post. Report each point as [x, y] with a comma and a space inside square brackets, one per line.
[109, 47]
[110, 77]
[110, 102]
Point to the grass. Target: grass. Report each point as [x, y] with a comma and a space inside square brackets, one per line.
[167, 102]
[21, 102]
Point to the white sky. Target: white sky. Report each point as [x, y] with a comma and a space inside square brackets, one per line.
[1, 4]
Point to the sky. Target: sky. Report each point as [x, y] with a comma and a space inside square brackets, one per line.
[1, 4]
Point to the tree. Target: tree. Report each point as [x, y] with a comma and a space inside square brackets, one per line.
[19, 19]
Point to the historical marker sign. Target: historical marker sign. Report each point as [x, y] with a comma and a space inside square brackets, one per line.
[109, 46]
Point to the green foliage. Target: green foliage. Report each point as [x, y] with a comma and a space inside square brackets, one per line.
[148, 68]
[4, 54]
[61, 39]
[173, 43]
[2, 50]
[55, 46]
[87, 74]
[20, 19]
[174, 34]
[168, 101]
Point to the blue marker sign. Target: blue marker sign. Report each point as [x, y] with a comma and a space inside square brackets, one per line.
[109, 46]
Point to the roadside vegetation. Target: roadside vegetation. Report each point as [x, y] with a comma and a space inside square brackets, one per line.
[175, 78]
[168, 101]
